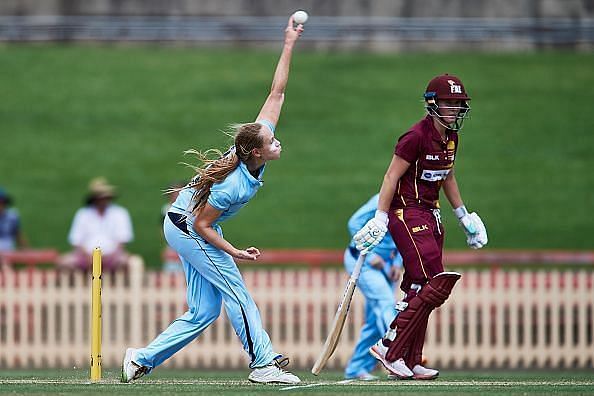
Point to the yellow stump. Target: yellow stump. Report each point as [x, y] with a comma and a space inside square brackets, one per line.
[96, 318]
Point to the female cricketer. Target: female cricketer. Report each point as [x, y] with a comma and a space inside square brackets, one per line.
[192, 228]
[378, 279]
[423, 163]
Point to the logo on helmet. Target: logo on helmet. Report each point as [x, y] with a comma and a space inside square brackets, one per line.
[454, 88]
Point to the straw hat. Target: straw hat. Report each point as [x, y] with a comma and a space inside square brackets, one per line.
[99, 188]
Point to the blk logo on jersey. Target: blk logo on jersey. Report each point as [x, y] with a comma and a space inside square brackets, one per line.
[432, 157]
[434, 175]
[454, 88]
[420, 228]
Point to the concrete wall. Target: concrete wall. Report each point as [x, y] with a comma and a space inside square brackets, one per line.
[376, 25]
[384, 8]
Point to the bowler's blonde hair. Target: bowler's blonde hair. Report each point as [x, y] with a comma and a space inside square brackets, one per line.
[215, 166]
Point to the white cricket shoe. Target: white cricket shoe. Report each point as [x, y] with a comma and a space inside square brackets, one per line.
[398, 368]
[423, 373]
[273, 373]
[131, 370]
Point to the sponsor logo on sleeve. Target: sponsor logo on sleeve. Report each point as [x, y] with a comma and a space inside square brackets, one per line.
[434, 175]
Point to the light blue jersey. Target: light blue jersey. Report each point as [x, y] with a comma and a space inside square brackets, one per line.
[376, 286]
[212, 277]
[228, 196]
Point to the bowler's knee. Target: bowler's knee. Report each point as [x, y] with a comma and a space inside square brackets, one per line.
[201, 315]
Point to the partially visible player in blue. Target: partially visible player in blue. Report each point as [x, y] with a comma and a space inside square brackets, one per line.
[221, 187]
[378, 283]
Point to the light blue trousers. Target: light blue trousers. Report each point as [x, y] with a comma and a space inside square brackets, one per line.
[379, 312]
[212, 278]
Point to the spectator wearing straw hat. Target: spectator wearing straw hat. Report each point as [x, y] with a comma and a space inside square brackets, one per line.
[11, 236]
[103, 224]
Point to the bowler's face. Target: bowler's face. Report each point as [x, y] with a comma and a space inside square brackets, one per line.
[271, 147]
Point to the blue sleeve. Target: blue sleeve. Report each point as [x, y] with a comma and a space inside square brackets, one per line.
[221, 195]
[363, 215]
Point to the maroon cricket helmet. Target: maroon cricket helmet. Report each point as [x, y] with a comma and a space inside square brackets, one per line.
[442, 87]
[446, 86]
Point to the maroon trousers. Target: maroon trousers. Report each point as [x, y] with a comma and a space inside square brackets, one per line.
[419, 239]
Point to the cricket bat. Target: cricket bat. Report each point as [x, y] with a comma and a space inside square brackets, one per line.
[339, 318]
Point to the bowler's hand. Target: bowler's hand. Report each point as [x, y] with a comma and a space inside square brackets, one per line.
[250, 253]
[292, 33]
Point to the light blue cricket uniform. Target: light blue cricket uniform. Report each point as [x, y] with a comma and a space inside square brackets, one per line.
[212, 277]
[377, 288]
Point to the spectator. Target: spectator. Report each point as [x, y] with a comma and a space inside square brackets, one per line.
[102, 224]
[11, 236]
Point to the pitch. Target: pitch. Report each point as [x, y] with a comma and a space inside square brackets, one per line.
[235, 382]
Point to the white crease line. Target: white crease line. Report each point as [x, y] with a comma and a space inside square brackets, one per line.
[444, 383]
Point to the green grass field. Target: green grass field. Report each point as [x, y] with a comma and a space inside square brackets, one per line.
[71, 113]
[227, 383]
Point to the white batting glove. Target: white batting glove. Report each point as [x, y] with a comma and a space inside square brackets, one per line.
[479, 239]
[372, 233]
[473, 226]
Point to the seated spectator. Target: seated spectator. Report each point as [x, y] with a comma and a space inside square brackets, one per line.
[102, 224]
[11, 236]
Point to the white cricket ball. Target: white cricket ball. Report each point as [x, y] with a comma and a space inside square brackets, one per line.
[300, 16]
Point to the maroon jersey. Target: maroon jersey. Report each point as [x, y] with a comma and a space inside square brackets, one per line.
[431, 160]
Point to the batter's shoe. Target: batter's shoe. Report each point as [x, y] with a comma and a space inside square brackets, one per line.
[131, 370]
[397, 368]
[423, 373]
[273, 373]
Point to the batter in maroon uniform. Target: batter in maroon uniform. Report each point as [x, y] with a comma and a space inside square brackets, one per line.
[423, 164]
